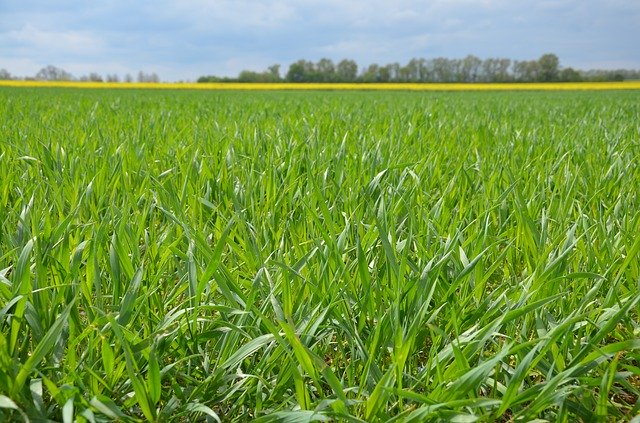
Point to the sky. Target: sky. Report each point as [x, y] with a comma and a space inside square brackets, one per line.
[185, 39]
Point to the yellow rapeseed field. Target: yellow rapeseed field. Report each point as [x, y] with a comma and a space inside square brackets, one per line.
[555, 86]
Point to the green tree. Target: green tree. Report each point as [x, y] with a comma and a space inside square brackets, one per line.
[413, 70]
[470, 68]
[274, 71]
[347, 71]
[549, 67]
[526, 70]
[442, 69]
[371, 73]
[326, 70]
[570, 75]
[384, 73]
[270, 75]
[301, 71]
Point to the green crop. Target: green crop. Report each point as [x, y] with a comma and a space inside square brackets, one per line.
[296, 257]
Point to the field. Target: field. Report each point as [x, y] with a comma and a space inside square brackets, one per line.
[334, 86]
[313, 256]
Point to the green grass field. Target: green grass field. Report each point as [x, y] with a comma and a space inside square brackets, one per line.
[289, 256]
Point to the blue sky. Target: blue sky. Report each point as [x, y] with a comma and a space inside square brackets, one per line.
[181, 40]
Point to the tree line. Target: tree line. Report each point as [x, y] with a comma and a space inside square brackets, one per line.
[468, 69]
[54, 73]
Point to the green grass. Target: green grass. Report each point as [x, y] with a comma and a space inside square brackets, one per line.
[173, 256]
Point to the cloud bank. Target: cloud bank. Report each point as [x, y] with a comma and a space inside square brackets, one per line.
[181, 40]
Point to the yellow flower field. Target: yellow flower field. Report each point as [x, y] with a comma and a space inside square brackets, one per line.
[556, 86]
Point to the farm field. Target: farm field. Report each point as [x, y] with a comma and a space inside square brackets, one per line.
[334, 86]
[175, 255]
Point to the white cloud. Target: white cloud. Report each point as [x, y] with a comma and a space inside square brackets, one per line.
[70, 41]
[203, 15]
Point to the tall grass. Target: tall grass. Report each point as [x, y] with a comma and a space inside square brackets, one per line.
[173, 256]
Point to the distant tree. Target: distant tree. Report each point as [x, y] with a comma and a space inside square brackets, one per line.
[113, 78]
[145, 77]
[399, 73]
[249, 76]
[518, 70]
[489, 69]
[384, 73]
[570, 75]
[526, 71]
[213, 78]
[455, 73]
[412, 71]
[301, 71]
[470, 68]
[616, 76]
[371, 73]
[4, 74]
[347, 71]
[128, 78]
[496, 70]
[95, 77]
[395, 72]
[272, 74]
[296, 72]
[502, 70]
[549, 65]
[208, 78]
[52, 73]
[442, 70]
[274, 71]
[325, 70]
